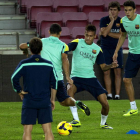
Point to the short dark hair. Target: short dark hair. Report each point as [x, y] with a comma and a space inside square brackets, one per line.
[35, 45]
[55, 29]
[130, 3]
[114, 4]
[90, 27]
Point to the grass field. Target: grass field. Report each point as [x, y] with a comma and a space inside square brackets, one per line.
[11, 129]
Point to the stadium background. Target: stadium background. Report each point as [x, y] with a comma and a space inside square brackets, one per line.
[17, 26]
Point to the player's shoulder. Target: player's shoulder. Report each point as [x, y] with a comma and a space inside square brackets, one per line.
[46, 61]
[123, 19]
[76, 40]
[95, 45]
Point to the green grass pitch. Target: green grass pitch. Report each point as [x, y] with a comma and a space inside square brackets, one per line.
[11, 129]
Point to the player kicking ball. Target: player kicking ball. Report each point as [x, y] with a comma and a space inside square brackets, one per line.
[85, 54]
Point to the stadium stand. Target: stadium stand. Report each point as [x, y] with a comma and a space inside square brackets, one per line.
[78, 32]
[65, 34]
[22, 5]
[87, 6]
[74, 19]
[62, 6]
[94, 18]
[34, 7]
[45, 19]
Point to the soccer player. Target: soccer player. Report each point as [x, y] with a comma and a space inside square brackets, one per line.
[55, 51]
[39, 82]
[130, 25]
[110, 33]
[85, 54]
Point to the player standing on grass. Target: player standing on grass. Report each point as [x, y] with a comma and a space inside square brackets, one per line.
[110, 33]
[130, 25]
[85, 54]
[55, 51]
[40, 82]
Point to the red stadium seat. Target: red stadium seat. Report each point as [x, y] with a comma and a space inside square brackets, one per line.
[94, 18]
[75, 19]
[22, 5]
[36, 6]
[78, 32]
[66, 40]
[45, 19]
[125, 45]
[65, 34]
[62, 6]
[87, 6]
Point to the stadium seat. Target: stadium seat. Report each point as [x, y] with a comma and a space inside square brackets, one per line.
[87, 6]
[45, 19]
[94, 18]
[78, 32]
[65, 34]
[74, 19]
[35, 6]
[22, 5]
[62, 6]
[125, 45]
[66, 40]
[121, 14]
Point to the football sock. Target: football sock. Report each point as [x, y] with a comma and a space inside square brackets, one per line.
[103, 119]
[133, 105]
[109, 95]
[117, 96]
[74, 112]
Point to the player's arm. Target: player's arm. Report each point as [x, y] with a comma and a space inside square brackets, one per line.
[54, 82]
[115, 35]
[101, 61]
[105, 30]
[65, 63]
[120, 42]
[18, 73]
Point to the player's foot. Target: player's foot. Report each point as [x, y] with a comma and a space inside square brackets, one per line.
[83, 107]
[75, 123]
[109, 98]
[117, 97]
[106, 126]
[131, 112]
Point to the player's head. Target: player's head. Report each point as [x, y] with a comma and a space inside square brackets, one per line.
[130, 9]
[35, 45]
[55, 30]
[114, 8]
[90, 34]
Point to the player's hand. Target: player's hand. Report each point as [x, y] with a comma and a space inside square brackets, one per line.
[69, 80]
[111, 16]
[115, 57]
[114, 64]
[25, 52]
[53, 105]
[22, 93]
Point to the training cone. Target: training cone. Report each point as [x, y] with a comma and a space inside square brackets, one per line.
[132, 132]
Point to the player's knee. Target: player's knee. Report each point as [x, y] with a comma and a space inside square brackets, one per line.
[105, 105]
[127, 80]
[107, 73]
[62, 103]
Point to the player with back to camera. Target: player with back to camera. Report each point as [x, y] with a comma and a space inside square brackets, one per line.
[85, 54]
[39, 82]
[130, 25]
[55, 51]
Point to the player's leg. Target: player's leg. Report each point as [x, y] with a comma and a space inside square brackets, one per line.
[71, 91]
[66, 100]
[131, 70]
[47, 131]
[107, 80]
[118, 78]
[27, 132]
[117, 73]
[28, 119]
[45, 118]
[104, 111]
